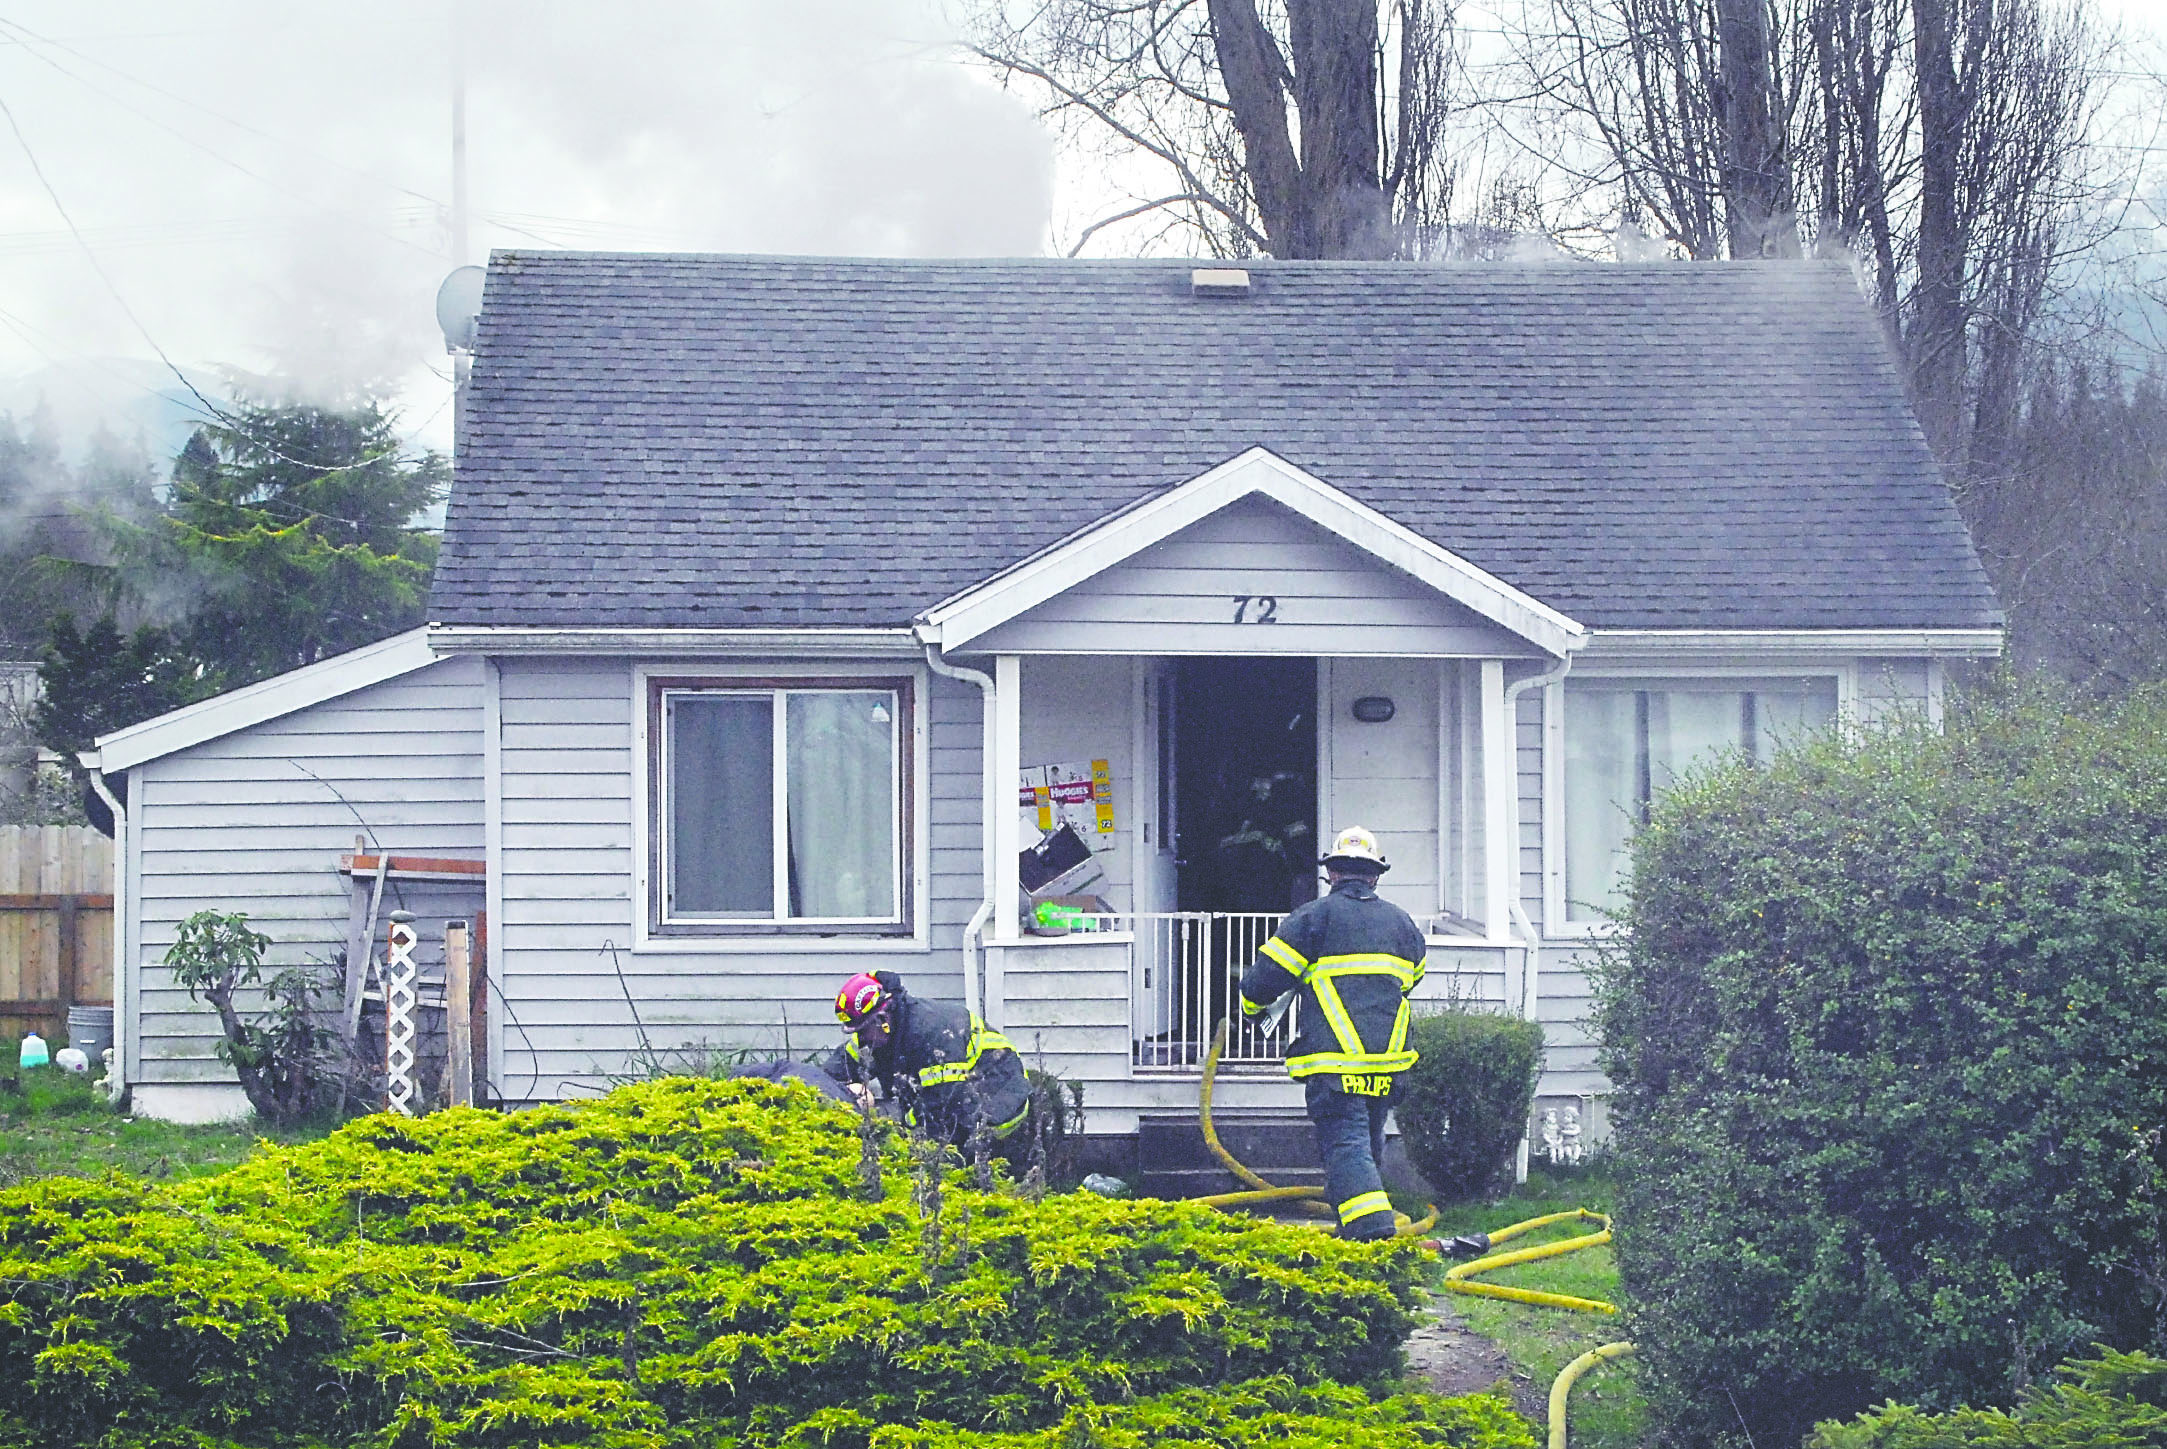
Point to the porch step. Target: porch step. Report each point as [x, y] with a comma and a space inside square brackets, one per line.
[1175, 1161]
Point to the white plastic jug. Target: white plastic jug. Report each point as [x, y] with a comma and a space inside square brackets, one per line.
[33, 1053]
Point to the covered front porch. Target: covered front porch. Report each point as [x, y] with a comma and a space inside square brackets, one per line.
[1200, 688]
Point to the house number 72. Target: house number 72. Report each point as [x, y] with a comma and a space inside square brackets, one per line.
[1266, 611]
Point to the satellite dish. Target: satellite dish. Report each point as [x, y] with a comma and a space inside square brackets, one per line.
[459, 306]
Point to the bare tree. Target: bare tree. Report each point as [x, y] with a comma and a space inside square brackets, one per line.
[1941, 142]
[1688, 106]
[1298, 128]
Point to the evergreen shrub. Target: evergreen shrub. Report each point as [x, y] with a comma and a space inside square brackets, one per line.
[2114, 1401]
[1888, 1027]
[1463, 1107]
[679, 1263]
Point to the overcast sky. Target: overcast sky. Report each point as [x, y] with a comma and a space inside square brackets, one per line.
[265, 185]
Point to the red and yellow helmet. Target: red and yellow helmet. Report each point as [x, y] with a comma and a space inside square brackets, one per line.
[861, 996]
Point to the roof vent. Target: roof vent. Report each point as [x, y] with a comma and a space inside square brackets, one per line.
[1220, 282]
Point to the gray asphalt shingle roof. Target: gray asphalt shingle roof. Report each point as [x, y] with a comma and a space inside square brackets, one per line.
[723, 441]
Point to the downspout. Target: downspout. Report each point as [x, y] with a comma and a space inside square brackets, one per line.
[122, 978]
[974, 934]
[1531, 960]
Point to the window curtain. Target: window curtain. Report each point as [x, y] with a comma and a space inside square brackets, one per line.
[1790, 718]
[722, 805]
[1602, 791]
[842, 813]
[1691, 728]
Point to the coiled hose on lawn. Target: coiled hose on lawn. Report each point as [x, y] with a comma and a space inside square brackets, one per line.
[1459, 1278]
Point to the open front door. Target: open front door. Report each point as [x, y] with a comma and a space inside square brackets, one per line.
[1245, 788]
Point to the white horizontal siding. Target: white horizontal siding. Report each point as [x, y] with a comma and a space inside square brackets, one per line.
[256, 821]
[575, 1000]
[1384, 776]
[1528, 770]
[1179, 596]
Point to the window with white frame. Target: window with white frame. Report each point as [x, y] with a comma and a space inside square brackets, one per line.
[779, 805]
[1626, 740]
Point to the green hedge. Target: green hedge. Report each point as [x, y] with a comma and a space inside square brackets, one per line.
[1463, 1108]
[1889, 1034]
[2115, 1401]
[1264, 1414]
[681, 1262]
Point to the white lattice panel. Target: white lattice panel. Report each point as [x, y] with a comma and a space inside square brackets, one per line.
[400, 1089]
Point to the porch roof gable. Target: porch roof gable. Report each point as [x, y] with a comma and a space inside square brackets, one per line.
[1257, 472]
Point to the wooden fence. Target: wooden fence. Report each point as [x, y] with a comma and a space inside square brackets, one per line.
[56, 925]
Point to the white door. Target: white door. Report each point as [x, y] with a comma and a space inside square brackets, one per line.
[1157, 881]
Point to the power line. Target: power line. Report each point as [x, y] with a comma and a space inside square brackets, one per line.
[257, 131]
[210, 409]
[185, 139]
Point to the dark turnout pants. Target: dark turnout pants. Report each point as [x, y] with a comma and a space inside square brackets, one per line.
[1350, 1139]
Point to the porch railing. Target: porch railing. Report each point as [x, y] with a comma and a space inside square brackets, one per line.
[1184, 974]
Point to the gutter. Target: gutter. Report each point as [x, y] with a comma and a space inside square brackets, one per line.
[123, 983]
[824, 643]
[1531, 961]
[974, 934]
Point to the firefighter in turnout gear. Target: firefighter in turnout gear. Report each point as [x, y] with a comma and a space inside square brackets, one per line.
[1353, 958]
[953, 1075]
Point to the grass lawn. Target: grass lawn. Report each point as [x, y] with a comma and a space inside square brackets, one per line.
[1606, 1405]
[52, 1124]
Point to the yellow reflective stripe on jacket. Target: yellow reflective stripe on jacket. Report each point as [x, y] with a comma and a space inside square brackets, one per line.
[1364, 1063]
[1335, 1013]
[1286, 956]
[1399, 968]
[1399, 1032]
[983, 1040]
[1363, 1206]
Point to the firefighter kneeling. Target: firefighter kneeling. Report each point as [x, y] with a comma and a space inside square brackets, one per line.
[954, 1076]
[1353, 957]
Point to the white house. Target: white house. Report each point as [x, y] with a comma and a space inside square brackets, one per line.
[766, 582]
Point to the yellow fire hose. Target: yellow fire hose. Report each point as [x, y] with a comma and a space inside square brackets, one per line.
[1459, 1278]
[1570, 1376]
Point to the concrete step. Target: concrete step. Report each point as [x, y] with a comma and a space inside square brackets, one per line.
[1176, 1162]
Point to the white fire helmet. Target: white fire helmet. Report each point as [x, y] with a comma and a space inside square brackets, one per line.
[1356, 847]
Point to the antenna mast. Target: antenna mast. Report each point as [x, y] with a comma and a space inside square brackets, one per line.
[458, 133]
[462, 360]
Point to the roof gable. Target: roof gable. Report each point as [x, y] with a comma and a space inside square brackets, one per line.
[1441, 593]
[270, 699]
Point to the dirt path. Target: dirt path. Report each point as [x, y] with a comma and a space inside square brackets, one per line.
[1445, 1356]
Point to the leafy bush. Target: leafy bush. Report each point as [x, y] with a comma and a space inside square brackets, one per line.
[2108, 1402]
[679, 1263]
[1889, 1034]
[283, 1055]
[1463, 1107]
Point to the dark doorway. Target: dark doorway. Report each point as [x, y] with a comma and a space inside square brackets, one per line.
[1246, 783]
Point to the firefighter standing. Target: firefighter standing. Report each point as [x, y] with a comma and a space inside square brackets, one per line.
[1353, 957]
[954, 1076]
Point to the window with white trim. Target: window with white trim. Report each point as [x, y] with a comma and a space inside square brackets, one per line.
[779, 806]
[1627, 740]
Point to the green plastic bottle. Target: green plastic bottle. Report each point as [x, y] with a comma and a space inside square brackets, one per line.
[1052, 916]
